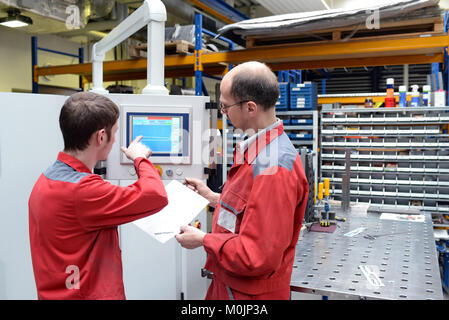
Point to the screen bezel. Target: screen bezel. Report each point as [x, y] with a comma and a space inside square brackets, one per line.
[180, 110]
[184, 131]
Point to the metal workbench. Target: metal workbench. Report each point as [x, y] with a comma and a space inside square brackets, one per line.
[406, 263]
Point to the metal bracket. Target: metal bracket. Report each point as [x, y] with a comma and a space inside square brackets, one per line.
[210, 171]
[100, 171]
[207, 274]
[211, 106]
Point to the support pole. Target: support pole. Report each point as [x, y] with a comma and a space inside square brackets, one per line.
[35, 85]
[81, 60]
[198, 51]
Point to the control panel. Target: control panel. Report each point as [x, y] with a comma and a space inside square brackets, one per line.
[175, 128]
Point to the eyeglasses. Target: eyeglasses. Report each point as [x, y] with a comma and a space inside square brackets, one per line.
[225, 107]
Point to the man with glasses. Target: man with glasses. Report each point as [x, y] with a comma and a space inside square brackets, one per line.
[258, 215]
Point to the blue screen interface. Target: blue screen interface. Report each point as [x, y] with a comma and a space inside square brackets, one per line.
[162, 134]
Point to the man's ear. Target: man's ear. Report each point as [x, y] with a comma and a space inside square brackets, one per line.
[252, 107]
[100, 136]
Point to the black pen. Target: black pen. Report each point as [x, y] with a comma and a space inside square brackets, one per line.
[164, 232]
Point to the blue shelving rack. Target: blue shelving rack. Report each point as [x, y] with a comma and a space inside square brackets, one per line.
[34, 53]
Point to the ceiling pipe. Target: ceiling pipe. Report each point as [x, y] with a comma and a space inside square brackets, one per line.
[119, 13]
[178, 8]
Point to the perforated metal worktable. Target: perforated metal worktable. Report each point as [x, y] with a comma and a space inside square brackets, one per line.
[407, 262]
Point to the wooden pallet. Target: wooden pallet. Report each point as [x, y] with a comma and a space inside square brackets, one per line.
[388, 29]
[171, 47]
[179, 47]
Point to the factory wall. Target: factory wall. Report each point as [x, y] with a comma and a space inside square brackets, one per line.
[15, 60]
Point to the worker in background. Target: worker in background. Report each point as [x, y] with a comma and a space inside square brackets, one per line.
[74, 214]
[258, 215]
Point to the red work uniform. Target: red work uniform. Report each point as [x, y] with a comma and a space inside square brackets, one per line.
[73, 219]
[257, 222]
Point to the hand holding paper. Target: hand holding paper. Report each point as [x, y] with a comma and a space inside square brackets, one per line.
[202, 189]
[183, 206]
[190, 237]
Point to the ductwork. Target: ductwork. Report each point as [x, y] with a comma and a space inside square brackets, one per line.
[55, 9]
[98, 8]
[88, 10]
[118, 13]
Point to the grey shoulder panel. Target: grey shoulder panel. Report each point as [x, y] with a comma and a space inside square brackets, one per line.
[279, 153]
[59, 171]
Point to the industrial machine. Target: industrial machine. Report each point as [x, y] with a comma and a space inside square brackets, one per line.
[176, 128]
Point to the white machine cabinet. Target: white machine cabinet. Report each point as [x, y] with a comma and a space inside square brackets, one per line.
[152, 270]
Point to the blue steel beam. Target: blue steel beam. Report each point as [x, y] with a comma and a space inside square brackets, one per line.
[203, 87]
[324, 73]
[435, 71]
[230, 43]
[212, 34]
[35, 85]
[198, 47]
[81, 60]
[445, 83]
[59, 52]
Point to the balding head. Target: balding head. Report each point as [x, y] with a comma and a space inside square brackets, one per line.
[254, 81]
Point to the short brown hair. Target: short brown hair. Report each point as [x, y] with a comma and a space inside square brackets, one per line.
[84, 113]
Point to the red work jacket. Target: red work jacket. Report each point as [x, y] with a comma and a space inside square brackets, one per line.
[258, 219]
[73, 219]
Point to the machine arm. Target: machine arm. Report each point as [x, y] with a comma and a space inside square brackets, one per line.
[153, 14]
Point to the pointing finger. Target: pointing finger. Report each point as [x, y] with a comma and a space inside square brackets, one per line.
[137, 139]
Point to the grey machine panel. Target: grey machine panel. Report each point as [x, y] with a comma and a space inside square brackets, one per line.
[199, 138]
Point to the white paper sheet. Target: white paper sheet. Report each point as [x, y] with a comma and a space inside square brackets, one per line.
[402, 217]
[183, 206]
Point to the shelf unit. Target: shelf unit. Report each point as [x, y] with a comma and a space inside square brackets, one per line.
[399, 156]
[408, 49]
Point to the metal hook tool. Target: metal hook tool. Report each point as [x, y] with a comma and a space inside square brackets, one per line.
[373, 237]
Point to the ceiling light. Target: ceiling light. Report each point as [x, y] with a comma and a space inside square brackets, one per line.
[15, 19]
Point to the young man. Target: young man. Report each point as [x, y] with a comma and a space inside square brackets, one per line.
[74, 214]
[258, 215]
